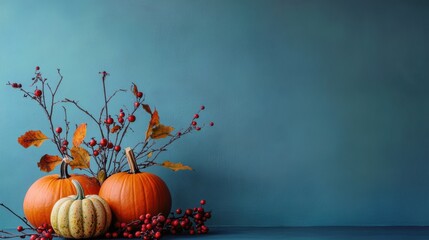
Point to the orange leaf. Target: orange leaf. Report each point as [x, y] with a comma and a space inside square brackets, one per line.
[147, 108]
[115, 129]
[79, 135]
[32, 138]
[161, 131]
[48, 162]
[81, 158]
[175, 166]
[134, 89]
[154, 121]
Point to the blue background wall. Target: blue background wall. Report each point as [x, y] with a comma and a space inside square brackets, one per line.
[321, 107]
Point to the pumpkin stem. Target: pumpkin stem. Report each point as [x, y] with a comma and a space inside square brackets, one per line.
[131, 160]
[64, 173]
[79, 190]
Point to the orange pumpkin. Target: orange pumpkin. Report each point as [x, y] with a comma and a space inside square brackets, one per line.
[135, 193]
[46, 191]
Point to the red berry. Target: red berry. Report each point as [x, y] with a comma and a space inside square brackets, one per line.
[137, 234]
[48, 235]
[148, 226]
[202, 202]
[136, 104]
[109, 120]
[157, 235]
[65, 143]
[103, 142]
[123, 225]
[117, 148]
[198, 128]
[179, 134]
[161, 218]
[115, 235]
[175, 223]
[200, 210]
[203, 107]
[121, 114]
[141, 218]
[139, 94]
[63, 149]
[92, 142]
[125, 234]
[211, 124]
[194, 123]
[207, 215]
[37, 68]
[33, 237]
[95, 153]
[38, 93]
[15, 85]
[196, 115]
[131, 118]
[59, 130]
[178, 211]
[192, 231]
[148, 215]
[108, 235]
[110, 145]
[20, 229]
[120, 120]
[188, 211]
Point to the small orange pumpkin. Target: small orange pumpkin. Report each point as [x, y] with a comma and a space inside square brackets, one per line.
[135, 193]
[46, 191]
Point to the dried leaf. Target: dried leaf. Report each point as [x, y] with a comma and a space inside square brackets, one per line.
[154, 121]
[175, 166]
[79, 135]
[161, 131]
[32, 138]
[147, 108]
[101, 176]
[134, 89]
[48, 162]
[149, 155]
[115, 129]
[81, 158]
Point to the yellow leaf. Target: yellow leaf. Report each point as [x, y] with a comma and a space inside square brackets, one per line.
[175, 166]
[32, 138]
[115, 129]
[79, 135]
[101, 176]
[81, 158]
[149, 155]
[161, 131]
[48, 162]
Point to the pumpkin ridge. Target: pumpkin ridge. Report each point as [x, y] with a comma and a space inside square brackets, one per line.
[152, 200]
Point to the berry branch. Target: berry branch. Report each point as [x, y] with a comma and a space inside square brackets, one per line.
[107, 151]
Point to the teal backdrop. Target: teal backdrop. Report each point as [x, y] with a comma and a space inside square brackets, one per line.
[321, 108]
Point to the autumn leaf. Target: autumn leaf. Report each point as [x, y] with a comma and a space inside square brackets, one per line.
[175, 166]
[81, 158]
[149, 155]
[161, 131]
[134, 89]
[154, 121]
[48, 162]
[79, 135]
[32, 138]
[146, 107]
[115, 129]
[101, 176]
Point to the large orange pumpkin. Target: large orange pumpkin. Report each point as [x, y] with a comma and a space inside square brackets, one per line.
[46, 191]
[135, 193]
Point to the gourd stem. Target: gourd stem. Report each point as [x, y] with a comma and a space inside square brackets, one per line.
[79, 190]
[131, 160]
[64, 173]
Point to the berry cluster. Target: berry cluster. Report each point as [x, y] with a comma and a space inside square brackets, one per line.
[43, 232]
[191, 221]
